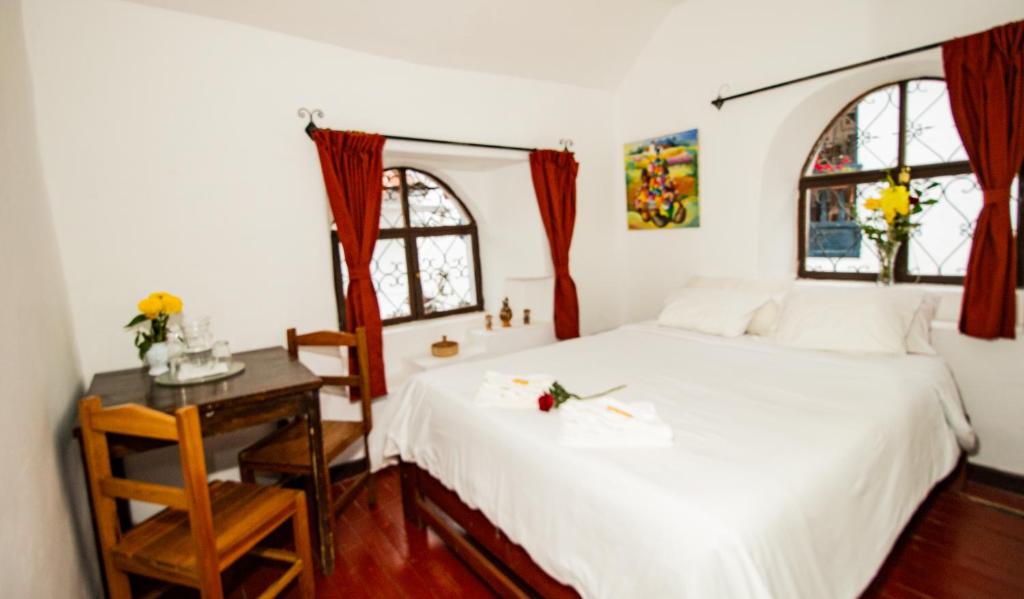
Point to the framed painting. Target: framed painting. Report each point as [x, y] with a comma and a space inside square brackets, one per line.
[661, 182]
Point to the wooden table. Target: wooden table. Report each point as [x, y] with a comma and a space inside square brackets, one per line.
[272, 387]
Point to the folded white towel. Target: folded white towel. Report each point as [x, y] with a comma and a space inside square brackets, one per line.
[189, 372]
[608, 422]
[512, 391]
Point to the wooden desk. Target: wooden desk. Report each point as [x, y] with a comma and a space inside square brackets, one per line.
[272, 387]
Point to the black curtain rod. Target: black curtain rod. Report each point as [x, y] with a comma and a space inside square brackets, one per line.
[719, 101]
[311, 127]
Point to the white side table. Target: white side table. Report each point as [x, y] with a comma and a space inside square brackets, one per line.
[514, 338]
[465, 354]
[482, 343]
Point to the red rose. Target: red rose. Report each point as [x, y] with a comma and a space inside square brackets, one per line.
[545, 402]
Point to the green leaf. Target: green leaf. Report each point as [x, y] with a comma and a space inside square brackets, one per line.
[139, 319]
[147, 342]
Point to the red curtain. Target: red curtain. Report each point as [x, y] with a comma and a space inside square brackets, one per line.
[985, 77]
[352, 165]
[554, 181]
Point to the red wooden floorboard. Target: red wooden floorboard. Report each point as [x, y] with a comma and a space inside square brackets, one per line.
[956, 547]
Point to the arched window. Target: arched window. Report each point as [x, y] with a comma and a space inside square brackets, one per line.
[427, 259]
[908, 123]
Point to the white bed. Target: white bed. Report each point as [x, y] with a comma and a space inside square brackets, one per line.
[791, 475]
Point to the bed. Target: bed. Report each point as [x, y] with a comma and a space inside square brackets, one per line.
[791, 474]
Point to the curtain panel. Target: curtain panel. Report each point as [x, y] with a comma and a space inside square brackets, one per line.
[352, 165]
[554, 181]
[985, 78]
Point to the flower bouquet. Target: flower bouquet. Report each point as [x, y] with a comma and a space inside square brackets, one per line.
[890, 223]
[151, 328]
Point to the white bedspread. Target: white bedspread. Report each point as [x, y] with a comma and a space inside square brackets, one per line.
[791, 472]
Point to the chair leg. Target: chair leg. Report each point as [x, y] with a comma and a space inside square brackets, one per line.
[371, 489]
[300, 531]
[371, 484]
[246, 474]
[118, 585]
[211, 588]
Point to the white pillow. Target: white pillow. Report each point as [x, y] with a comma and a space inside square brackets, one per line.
[724, 312]
[919, 337]
[872, 320]
[767, 316]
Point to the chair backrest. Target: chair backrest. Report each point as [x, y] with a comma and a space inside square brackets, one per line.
[105, 488]
[358, 383]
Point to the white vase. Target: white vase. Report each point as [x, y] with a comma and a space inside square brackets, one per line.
[157, 358]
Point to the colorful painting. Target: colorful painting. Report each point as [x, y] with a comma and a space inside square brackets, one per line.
[661, 182]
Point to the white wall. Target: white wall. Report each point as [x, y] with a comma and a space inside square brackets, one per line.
[175, 161]
[754, 148]
[39, 555]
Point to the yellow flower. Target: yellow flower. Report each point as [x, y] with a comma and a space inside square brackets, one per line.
[895, 200]
[150, 307]
[172, 304]
[873, 204]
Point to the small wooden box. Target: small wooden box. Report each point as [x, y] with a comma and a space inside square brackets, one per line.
[444, 348]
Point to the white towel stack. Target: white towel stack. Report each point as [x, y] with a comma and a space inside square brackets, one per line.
[608, 422]
[512, 391]
[190, 372]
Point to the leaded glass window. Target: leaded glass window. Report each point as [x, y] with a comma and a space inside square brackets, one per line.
[426, 262]
[908, 123]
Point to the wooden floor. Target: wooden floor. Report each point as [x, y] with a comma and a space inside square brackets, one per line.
[957, 546]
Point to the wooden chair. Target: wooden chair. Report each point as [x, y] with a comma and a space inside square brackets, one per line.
[206, 526]
[286, 451]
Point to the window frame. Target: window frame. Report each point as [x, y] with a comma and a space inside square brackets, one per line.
[409, 235]
[925, 171]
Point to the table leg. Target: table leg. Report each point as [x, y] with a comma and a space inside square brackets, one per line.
[323, 516]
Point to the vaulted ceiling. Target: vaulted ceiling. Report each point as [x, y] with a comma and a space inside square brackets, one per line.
[585, 42]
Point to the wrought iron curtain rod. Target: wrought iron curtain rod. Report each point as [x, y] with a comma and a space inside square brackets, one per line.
[719, 101]
[317, 113]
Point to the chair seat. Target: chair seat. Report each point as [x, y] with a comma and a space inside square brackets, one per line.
[287, 450]
[241, 513]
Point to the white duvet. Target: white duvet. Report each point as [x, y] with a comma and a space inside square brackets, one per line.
[791, 472]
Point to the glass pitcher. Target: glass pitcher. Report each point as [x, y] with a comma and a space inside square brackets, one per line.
[198, 342]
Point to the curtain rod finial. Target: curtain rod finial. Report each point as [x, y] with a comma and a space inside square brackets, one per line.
[312, 114]
[720, 101]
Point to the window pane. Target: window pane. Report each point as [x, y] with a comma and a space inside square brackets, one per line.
[865, 138]
[834, 240]
[391, 216]
[941, 246]
[446, 272]
[931, 134]
[390, 278]
[430, 205]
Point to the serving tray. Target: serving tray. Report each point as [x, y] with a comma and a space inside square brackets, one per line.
[165, 379]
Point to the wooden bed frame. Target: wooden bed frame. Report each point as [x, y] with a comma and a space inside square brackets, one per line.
[504, 566]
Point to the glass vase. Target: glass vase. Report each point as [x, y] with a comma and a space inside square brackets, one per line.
[887, 262]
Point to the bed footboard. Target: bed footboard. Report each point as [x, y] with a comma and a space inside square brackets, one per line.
[503, 565]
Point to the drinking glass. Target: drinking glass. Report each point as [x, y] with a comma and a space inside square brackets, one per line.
[222, 352]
